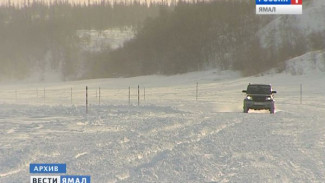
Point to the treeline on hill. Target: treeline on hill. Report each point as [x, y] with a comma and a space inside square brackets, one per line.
[191, 37]
[188, 36]
[196, 36]
[42, 38]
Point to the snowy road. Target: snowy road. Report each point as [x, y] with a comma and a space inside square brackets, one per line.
[176, 139]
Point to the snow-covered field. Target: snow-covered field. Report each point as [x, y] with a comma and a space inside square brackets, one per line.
[170, 137]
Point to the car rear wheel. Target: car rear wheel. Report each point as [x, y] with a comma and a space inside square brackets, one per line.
[272, 111]
[246, 110]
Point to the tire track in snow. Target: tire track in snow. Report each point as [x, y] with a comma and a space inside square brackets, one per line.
[80, 154]
[195, 132]
[11, 172]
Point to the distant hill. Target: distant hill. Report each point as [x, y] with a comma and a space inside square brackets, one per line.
[309, 28]
[296, 38]
[70, 42]
[43, 42]
[307, 64]
[208, 35]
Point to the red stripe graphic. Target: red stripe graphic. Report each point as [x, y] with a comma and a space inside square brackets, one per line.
[296, 2]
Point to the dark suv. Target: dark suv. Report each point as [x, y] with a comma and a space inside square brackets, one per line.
[258, 97]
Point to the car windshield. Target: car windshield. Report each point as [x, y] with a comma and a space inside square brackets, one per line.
[259, 89]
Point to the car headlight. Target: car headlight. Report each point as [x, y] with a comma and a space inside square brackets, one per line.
[249, 98]
[268, 98]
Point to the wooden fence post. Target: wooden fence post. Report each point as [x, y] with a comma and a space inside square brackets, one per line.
[129, 95]
[44, 95]
[99, 95]
[197, 90]
[86, 99]
[71, 95]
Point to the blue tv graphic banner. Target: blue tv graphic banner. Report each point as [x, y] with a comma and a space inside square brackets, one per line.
[273, 2]
[279, 7]
[48, 168]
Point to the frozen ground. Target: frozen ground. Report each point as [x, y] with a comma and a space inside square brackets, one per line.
[170, 137]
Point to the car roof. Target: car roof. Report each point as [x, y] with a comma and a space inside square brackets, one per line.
[259, 84]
